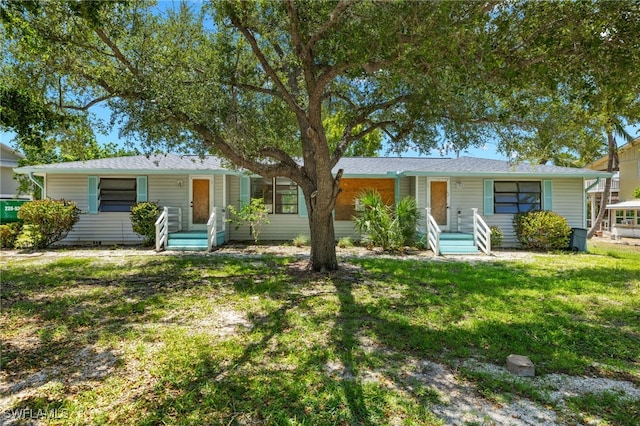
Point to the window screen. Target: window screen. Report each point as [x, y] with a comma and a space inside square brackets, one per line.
[516, 197]
[280, 195]
[117, 194]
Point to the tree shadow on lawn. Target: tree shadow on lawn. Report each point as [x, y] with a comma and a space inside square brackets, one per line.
[413, 309]
[566, 319]
[275, 396]
[60, 319]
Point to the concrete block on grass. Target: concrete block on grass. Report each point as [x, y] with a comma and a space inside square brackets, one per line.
[520, 366]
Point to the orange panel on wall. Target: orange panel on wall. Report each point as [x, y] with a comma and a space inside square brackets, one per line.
[353, 187]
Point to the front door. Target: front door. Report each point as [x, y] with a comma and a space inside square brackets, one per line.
[201, 194]
[439, 202]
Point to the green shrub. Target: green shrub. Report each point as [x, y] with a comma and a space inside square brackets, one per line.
[386, 227]
[301, 240]
[143, 220]
[407, 215]
[345, 242]
[636, 192]
[496, 237]
[49, 221]
[254, 214]
[541, 230]
[9, 234]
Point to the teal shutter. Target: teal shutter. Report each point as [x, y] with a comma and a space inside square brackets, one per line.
[245, 190]
[141, 189]
[547, 195]
[92, 194]
[488, 197]
[302, 205]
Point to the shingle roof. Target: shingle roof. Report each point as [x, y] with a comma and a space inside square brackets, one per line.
[463, 166]
[161, 163]
[352, 166]
[386, 165]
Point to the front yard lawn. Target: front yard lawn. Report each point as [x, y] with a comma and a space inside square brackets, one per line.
[210, 339]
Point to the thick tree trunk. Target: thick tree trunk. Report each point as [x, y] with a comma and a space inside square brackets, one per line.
[323, 243]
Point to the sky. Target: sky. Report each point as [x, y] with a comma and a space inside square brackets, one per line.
[488, 151]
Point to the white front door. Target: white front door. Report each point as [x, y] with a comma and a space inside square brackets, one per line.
[438, 200]
[200, 201]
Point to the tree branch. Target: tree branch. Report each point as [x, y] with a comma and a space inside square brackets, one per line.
[333, 20]
[87, 106]
[278, 154]
[268, 69]
[257, 89]
[116, 51]
[348, 137]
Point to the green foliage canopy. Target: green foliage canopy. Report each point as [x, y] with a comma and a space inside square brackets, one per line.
[261, 82]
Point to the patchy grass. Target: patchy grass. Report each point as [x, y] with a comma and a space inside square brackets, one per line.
[606, 408]
[209, 339]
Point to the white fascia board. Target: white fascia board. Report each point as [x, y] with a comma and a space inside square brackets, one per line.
[43, 171]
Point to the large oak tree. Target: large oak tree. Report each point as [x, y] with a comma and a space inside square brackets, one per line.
[256, 82]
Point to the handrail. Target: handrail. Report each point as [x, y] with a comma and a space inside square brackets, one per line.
[212, 228]
[162, 229]
[163, 225]
[481, 233]
[433, 232]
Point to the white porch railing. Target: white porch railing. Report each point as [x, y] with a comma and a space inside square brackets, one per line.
[171, 217]
[481, 233]
[212, 227]
[593, 188]
[433, 232]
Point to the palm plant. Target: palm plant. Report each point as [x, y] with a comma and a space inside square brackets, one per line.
[383, 226]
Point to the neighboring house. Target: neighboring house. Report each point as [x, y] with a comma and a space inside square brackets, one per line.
[10, 200]
[196, 192]
[595, 191]
[8, 161]
[624, 212]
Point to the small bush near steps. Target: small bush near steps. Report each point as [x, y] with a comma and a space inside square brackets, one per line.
[542, 230]
[496, 237]
[143, 220]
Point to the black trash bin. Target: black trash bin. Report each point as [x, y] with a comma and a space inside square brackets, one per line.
[578, 239]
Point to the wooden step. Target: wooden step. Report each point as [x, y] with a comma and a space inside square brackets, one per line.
[457, 243]
[459, 250]
[188, 241]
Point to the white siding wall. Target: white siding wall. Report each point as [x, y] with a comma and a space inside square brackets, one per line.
[8, 160]
[407, 186]
[281, 227]
[166, 191]
[102, 228]
[568, 201]
[115, 227]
